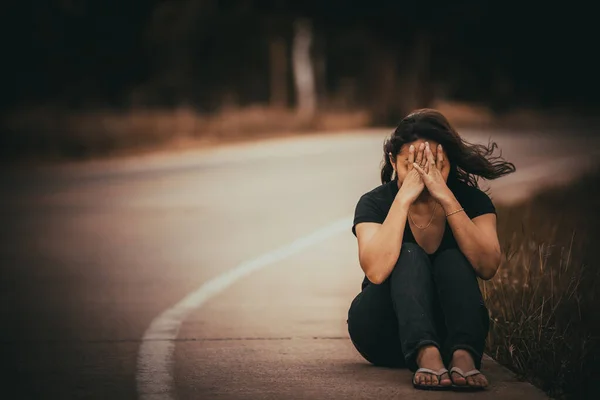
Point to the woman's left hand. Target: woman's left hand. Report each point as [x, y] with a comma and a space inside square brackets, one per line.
[432, 176]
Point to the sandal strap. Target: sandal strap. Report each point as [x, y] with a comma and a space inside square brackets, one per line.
[432, 372]
[464, 374]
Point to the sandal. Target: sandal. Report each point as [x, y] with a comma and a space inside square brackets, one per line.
[466, 387]
[434, 373]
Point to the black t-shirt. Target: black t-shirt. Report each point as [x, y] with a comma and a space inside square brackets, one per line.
[374, 206]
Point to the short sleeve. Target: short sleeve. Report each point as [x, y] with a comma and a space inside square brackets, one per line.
[367, 210]
[477, 203]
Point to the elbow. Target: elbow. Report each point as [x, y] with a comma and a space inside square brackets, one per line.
[489, 269]
[373, 274]
[487, 273]
[375, 278]
[378, 269]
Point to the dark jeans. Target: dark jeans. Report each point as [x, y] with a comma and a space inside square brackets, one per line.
[425, 300]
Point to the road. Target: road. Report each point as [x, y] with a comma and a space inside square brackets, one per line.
[217, 273]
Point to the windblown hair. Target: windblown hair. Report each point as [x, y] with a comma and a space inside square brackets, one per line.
[468, 161]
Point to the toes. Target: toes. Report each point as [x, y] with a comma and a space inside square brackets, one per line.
[482, 381]
[458, 380]
[445, 380]
[433, 380]
[477, 380]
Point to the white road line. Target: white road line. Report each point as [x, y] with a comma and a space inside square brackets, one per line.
[154, 374]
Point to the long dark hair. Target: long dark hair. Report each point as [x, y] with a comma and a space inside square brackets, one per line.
[468, 161]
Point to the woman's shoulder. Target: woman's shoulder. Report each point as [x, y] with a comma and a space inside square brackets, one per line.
[374, 205]
[383, 192]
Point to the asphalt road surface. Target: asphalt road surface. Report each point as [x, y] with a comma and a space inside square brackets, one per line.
[218, 273]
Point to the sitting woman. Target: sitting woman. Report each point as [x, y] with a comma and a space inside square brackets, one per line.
[424, 236]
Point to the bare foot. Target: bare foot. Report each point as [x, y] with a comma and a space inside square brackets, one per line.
[463, 360]
[429, 357]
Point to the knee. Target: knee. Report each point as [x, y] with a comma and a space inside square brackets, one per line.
[453, 262]
[412, 260]
[412, 254]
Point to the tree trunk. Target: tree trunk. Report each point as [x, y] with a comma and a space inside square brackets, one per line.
[320, 67]
[304, 76]
[382, 82]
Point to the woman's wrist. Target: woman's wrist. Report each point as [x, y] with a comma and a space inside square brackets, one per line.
[403, 202]
[449, 203]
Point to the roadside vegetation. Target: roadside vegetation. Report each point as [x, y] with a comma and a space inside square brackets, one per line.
[54, 134]
[544, 301]
[58, 135]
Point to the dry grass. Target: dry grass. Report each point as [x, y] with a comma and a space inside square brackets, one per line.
[543, 301]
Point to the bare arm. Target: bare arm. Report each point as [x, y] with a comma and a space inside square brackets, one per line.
[379, 244]
[476, 238]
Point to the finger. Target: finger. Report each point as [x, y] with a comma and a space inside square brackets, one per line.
[430, 158]
[440, 157]
[424, 156]
[427, 158]
[420, 154]
[411, 156]
[418, 168]
[423, 162]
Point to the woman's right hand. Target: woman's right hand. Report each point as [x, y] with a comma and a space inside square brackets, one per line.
[413, 184]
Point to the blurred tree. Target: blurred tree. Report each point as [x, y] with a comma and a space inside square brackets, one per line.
[384, 55]
[304, 74]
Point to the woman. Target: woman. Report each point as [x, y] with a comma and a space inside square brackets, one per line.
[424, 236]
